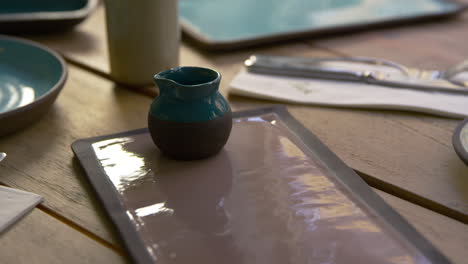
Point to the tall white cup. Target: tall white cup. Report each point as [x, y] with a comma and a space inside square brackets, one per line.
[143, 38]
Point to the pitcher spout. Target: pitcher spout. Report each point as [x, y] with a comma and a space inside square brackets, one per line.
[187, 82]
[165, 85]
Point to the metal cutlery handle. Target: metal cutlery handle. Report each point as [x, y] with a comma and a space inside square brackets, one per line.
[298, 67]
[316, 67]
[454, 70]
[321, 69]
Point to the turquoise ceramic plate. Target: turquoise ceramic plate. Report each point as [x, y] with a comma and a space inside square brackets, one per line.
[460, 141]
[31, 77]
[229, 24]
[30, 16]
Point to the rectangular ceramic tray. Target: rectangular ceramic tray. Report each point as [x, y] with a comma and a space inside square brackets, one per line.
[274, 194]
[226, 24]
[37, 16]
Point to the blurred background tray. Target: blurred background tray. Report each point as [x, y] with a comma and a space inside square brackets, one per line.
[226, 24]
[39, 16]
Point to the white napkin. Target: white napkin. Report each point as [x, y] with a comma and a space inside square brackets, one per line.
[348, 94]
[14, 204]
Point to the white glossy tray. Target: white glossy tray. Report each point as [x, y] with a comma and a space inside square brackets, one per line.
[275, 194]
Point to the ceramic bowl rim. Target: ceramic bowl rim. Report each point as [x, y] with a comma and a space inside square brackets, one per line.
[461, 151]
[55, 88]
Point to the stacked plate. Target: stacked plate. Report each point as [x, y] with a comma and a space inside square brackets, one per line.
[460, 141]
[31, 77]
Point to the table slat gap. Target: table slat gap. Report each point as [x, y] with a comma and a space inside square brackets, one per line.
[412, 197]
[86, 67]
[80, 229]
[335, 52]
[76, 227]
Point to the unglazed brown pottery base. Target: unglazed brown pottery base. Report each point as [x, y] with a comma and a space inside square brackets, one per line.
[190, 141]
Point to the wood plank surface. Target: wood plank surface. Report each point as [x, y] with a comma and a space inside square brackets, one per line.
[446, 234]
[398, 149]
[40, 159]
[409, 151]
[86, 45]
[39, 238]
[82, 45]
[406, 154]
[387, 148]
[431, 45]
[51, 171]
[429, 154]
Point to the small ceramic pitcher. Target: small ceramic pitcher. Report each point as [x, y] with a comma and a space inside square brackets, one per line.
[189, 119]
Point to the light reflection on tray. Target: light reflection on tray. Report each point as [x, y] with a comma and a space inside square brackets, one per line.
[264, 199]
[278, 203]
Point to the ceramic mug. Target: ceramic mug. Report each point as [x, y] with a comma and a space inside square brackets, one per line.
[143, 38]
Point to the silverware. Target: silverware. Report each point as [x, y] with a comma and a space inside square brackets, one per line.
[324, 68]
[2, 155]
[454, 70]
[449, 74]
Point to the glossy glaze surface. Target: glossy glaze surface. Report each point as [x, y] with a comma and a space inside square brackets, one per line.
[26, 73]
[261, 200]
[226, 20]
[189, 94]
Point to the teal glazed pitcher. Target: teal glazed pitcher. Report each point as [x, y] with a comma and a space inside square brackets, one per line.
[189, 119]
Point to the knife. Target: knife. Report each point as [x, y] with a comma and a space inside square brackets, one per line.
[321, 68]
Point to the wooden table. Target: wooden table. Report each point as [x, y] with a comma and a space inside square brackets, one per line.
[406, 157]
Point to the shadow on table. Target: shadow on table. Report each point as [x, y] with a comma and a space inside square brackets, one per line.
[75, 41]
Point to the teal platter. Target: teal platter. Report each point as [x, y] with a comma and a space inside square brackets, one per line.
[31, 77]
[33, 16]
[226, 24]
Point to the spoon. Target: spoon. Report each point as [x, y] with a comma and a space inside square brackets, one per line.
[2, 155]
[452, 72]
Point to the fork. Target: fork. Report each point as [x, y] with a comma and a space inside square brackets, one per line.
[447, 74]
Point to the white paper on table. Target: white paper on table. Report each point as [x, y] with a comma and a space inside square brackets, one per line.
[348, 94]
[14, 204]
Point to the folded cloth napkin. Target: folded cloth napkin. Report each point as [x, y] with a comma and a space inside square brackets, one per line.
[348, 94]
[14, 204]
